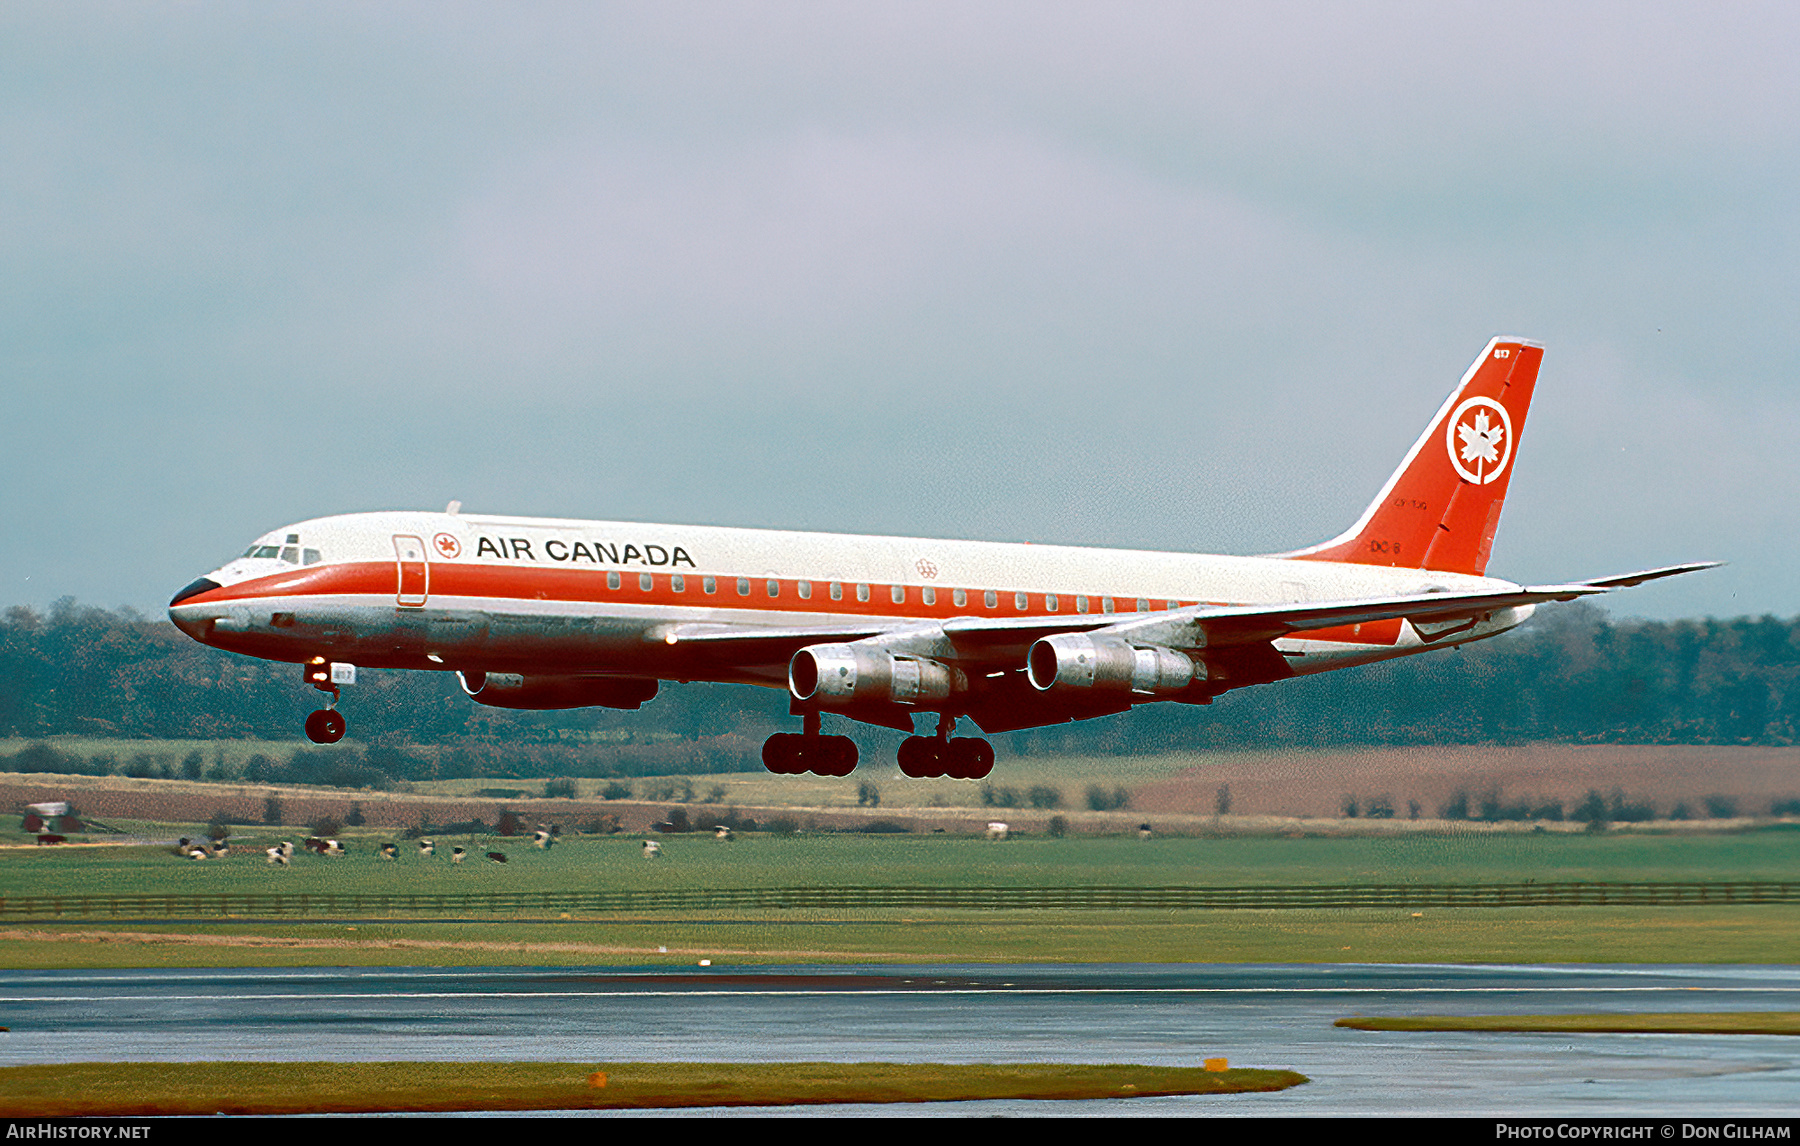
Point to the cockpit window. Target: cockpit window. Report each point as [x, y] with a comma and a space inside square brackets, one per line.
[290, 554]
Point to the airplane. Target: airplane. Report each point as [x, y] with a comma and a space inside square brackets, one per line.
[539, 613]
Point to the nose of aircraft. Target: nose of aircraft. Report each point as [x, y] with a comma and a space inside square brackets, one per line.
[194, 627]
[194, 590]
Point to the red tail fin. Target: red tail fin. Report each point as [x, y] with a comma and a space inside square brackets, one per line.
[1441, 507]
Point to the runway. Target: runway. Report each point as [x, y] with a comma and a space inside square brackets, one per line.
[1272, 1016]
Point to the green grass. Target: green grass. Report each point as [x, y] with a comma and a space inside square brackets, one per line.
[121, 1089]
[1722, 934]
[845, 859]
[1717, 935]
[1672, 1023]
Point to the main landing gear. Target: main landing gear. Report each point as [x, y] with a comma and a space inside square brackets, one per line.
[928, 757]
[327, 725]
[790, 754]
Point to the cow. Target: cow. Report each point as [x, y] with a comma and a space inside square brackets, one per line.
[722, 832]
[456, 855]
[277, 856]
[390, 851]
[652, 849]
[996, 830]
[426, 847]
[541, 838]
[497, 857]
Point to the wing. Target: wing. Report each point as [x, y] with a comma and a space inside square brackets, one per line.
[1235, 640]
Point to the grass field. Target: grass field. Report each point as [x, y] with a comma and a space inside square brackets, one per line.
[850, 859]
[1673, 1023]
[1722, 934]
[122, 1089]
[1718, 935]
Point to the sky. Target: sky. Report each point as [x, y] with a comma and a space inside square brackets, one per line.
[1165, 276]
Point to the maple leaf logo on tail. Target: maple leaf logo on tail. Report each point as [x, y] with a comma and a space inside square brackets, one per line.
[1486, 444]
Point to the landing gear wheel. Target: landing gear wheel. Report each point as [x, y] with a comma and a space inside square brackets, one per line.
[781, 754]
[790, 754]
[326, 726]
[969, 759]
[837, 756]
[922, 757]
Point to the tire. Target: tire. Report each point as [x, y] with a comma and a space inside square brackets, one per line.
[325, 726]
[984, 759]
[962, 759]
[915, 757]
[840, 756]
[778, 754]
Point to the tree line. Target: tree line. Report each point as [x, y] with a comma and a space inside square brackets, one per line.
[1571, 674]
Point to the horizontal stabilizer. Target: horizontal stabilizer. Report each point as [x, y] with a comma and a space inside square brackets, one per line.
[1627, 580]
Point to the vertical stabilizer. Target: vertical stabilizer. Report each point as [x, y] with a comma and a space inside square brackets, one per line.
[1442, 506]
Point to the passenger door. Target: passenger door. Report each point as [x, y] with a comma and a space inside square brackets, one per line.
[415, 573]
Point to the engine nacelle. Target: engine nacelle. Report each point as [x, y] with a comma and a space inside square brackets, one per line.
[837, 676]
[1077, 661]
[510, 690]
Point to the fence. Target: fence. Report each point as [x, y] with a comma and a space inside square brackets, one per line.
[555, 903]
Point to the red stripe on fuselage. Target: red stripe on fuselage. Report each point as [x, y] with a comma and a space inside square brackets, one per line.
[503, 583]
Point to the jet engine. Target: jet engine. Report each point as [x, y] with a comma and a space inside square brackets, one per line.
[1070, 662]
[510, 690]
[837, 676]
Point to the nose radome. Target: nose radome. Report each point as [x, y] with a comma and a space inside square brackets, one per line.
[203, 585]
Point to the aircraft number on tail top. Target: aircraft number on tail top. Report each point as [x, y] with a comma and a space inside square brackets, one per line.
[1503, 353]
[1479, 440]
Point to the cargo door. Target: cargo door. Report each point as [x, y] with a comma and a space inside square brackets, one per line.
[415, 574]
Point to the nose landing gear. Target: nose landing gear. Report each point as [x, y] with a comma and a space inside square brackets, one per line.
[928, 757]
[327, 725]
[790, 754]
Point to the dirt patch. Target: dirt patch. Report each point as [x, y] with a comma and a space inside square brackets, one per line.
[1315, 784]
[176, 939]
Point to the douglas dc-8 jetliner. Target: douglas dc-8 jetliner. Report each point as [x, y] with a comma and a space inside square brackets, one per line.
[536, 613]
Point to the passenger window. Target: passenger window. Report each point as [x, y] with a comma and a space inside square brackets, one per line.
[898, 593]
[958, 598]
[804, 588]
[991, 599]
[774, 587]
[612, 580]
[644, 582]
[1174, 604]
[1020, 602]
[709, 585]
[1050, 602]
[678, 583]
[1143, 605]
[837, 590]
[1106, 604]
[930, 595]
[862, 592]
[743, 586]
